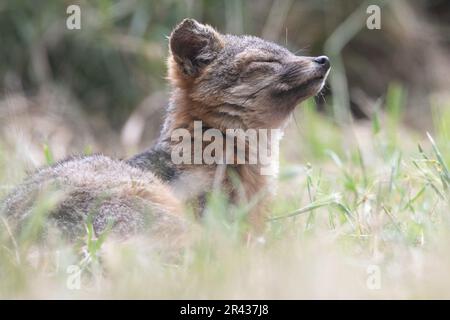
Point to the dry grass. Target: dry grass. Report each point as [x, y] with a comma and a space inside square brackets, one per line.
[359, 198]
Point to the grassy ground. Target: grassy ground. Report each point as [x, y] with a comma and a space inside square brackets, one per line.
[361, 212]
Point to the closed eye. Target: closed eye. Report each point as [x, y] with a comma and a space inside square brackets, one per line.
[265, 61]
[263, 65]
[260, 68]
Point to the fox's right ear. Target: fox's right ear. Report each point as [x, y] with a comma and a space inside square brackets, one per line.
[194, 45]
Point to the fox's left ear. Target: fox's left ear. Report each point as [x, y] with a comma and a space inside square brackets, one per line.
[194, 45]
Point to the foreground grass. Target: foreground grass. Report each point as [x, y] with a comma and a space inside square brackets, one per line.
[361, 212]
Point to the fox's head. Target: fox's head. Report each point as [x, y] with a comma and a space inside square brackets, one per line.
[239, 81]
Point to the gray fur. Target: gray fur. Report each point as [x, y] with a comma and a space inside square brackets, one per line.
[96, 188]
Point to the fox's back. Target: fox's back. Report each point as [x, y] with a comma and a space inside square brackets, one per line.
[97, 189]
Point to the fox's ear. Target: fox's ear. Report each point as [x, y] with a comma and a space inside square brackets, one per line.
[194, 45]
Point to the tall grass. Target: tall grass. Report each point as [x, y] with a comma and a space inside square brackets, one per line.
[339, 214]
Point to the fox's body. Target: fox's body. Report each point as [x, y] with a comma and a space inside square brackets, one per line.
[224, 81]
[100, 189]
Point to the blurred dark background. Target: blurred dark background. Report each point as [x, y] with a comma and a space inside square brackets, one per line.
[103, 87]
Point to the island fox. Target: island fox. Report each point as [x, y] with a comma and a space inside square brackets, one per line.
[224, 81]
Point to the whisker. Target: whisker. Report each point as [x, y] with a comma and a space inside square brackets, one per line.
[304, 49]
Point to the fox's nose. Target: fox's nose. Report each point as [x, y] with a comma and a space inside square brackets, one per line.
[323, 61]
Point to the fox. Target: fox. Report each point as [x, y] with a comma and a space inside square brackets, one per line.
[226, 82]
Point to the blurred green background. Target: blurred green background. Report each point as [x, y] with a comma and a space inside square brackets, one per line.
[104, 86]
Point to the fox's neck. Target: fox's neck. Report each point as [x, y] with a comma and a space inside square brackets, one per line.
[191, 180]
